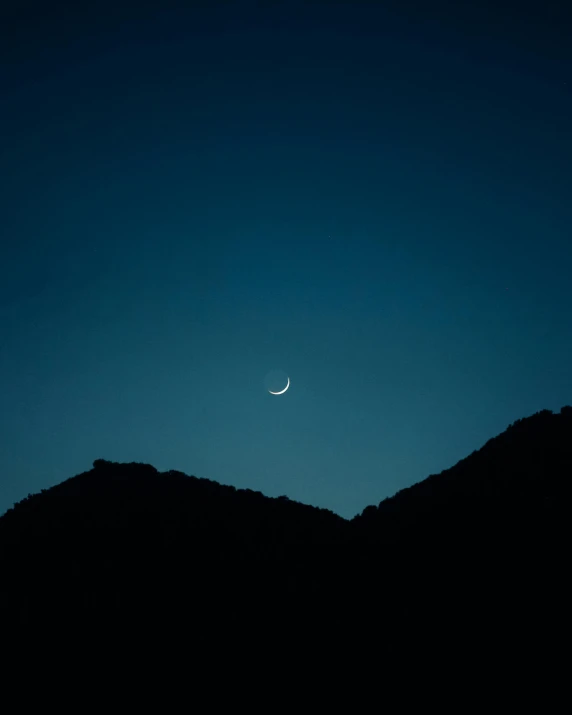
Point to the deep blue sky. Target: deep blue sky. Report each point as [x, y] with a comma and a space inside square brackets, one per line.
[371, 197]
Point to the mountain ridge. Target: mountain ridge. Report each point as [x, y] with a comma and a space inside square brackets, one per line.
[103, 467]
[124, 542]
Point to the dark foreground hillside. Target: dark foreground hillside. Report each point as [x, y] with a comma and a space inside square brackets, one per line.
[481, 546]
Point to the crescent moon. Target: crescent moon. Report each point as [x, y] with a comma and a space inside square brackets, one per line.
[281, 391]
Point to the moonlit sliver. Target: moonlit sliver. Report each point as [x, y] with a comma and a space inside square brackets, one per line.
[281, 392]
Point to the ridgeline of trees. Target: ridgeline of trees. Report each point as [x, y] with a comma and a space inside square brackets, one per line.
[125, 543]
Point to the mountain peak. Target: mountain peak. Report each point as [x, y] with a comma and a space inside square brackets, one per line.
[126, 533]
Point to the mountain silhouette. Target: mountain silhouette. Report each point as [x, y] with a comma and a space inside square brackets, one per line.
[482, 542]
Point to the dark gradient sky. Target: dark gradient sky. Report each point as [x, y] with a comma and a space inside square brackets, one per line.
[371, 197]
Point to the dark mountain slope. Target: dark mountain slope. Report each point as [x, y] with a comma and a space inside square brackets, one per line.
[495, 527]
[515, 487]
[123, 542]
[126, 534]
[115, 496]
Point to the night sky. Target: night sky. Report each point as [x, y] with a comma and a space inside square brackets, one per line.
[373, 198]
